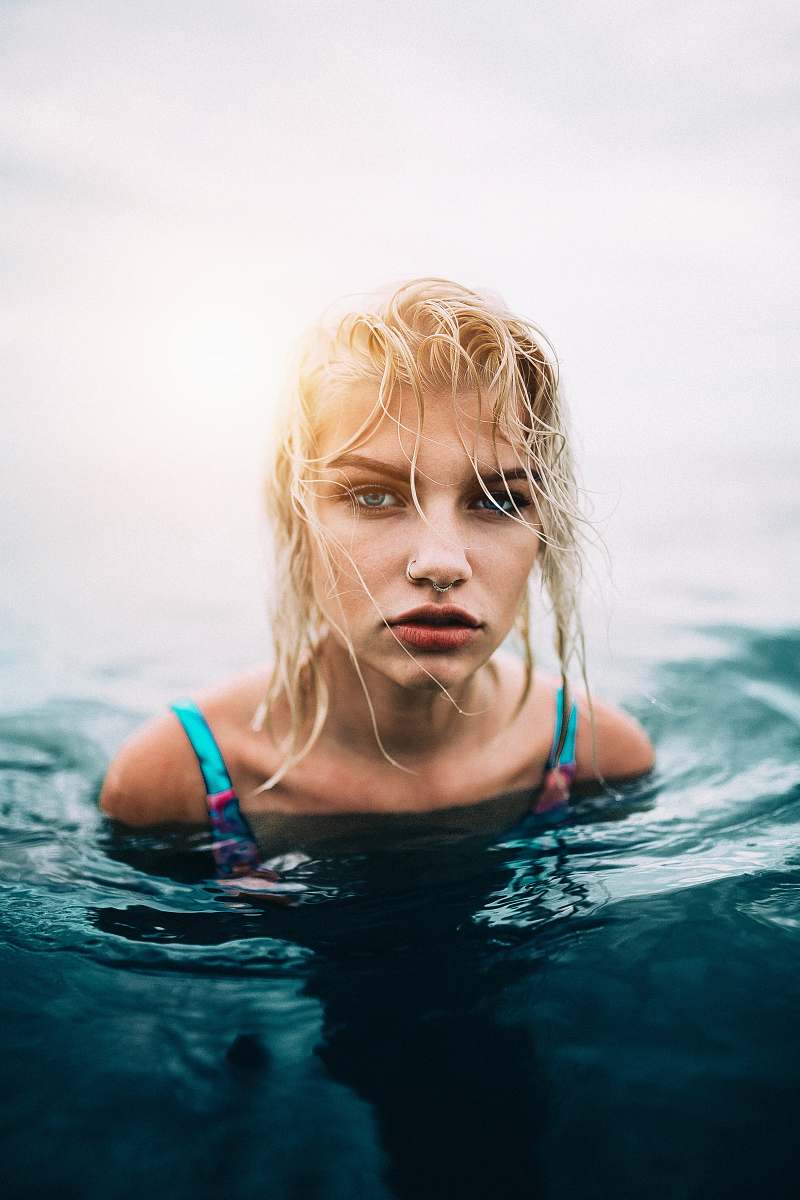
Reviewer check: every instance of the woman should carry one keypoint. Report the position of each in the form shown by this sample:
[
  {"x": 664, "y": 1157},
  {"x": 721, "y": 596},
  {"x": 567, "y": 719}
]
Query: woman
[{"x": 421, "y": 486}]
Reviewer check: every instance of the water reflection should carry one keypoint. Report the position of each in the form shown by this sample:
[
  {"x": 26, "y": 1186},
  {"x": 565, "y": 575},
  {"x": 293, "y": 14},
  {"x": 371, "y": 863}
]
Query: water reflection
[{"x": 411, "y": 985}]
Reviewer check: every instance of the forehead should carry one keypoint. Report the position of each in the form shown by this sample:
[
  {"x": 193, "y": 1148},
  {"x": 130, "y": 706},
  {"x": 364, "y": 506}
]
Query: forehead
[{"x": 453, "y": 426}]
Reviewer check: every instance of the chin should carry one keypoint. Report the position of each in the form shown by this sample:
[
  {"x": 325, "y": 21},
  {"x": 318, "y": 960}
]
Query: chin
[{"x": 411, "y": 675}]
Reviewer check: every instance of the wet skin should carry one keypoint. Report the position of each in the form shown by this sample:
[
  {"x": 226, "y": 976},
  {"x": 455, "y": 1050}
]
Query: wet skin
[{"x": 461, "y": 536}]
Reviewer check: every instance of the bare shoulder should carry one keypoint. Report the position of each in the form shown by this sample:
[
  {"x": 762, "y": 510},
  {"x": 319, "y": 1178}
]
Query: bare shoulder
[
  {"x": 610, "y": 744},
  {"x": 155, "y": 779}
]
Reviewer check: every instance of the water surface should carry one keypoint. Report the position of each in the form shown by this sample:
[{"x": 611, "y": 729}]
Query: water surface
[{"x": 607, "y": 1004}]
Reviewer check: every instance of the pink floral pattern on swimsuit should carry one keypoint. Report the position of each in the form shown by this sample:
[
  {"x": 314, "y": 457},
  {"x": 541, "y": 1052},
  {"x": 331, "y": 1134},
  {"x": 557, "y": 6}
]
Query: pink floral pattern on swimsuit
[
  {"x": 235, "y": 851},
  {"x": 555, "y": 789}
]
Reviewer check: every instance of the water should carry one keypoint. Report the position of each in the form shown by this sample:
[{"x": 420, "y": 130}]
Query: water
[{"x": 608, "y": 1004}]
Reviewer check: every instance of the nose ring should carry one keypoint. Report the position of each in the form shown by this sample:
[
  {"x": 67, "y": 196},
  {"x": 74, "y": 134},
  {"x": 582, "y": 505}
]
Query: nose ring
[{"x": 415, "y": 579}]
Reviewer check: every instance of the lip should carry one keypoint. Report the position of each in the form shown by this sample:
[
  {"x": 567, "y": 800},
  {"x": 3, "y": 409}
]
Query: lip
[
  {"x": 435, "y": 637},
  {"x": 422, "y": 627},
  {"x": 437, "y": 613}
]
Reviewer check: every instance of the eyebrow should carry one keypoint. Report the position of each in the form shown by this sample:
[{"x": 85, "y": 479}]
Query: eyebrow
[{"x": 375, "y": 464}]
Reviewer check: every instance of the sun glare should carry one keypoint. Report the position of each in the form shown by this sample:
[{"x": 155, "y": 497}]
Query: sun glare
[{"x": 212, "y": 352}]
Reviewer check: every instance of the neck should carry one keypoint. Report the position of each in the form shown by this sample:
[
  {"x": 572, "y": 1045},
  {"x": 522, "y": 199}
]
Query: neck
[{"x": 413, "y": 724}]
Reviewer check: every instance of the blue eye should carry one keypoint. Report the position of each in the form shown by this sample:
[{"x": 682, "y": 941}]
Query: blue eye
[
  {"x": 502, "y": 502},
  {"x": 495, "y": 504},
  {"x": 373, "y": 499}
]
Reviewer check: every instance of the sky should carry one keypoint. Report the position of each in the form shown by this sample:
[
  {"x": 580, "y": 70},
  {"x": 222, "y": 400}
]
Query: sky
[{"x": 185, "y": 185}]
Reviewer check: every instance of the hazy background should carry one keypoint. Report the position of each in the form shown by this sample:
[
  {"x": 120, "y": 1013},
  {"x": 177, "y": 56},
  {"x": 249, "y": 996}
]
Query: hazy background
[{"x": 186, "y": 184}]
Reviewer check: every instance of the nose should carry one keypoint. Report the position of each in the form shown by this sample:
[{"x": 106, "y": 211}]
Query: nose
[{"x": 439, "y": 557}]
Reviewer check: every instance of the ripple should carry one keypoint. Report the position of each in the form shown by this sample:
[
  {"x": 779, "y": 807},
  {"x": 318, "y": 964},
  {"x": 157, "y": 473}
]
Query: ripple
[
  {"x": 778, "y": 907},
  {"x": 719, "y": 806}
]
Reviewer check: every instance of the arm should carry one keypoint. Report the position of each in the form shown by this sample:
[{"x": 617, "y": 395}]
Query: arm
[{"x": 154, "y": 779}]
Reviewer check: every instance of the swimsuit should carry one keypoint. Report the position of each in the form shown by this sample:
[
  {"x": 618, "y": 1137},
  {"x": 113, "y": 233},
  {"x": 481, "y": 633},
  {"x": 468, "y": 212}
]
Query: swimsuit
[
  {"x": 235, "y": 848},
  {"x": 559, "y": 770}
]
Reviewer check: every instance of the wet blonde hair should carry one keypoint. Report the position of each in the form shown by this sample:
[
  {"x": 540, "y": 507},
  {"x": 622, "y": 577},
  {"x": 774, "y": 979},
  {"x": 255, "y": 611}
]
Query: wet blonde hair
[{"x": 427, "y": 335}]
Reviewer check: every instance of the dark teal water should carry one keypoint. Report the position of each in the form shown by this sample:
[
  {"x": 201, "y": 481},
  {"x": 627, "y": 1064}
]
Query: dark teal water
[{"x": 606, "y": 1007}]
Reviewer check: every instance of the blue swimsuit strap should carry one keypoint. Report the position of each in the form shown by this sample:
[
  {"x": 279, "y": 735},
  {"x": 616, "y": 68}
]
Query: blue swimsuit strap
[
  {"x": 566, "y": 758},
  {"x": 235, "y": 847},
  {"x": 565, "y": 737},
  {"x": 552, "y": 798}
]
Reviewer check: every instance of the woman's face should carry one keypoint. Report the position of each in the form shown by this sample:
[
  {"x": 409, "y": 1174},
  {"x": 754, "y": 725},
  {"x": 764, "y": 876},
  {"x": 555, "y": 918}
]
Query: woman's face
[{"x": 364, "y": 502}]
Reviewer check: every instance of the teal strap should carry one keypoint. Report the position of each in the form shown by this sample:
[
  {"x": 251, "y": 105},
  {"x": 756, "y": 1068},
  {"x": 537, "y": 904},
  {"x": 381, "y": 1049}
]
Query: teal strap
[
  {"x": 212, "y": 764},
  {"x": 567, "y": 755}
]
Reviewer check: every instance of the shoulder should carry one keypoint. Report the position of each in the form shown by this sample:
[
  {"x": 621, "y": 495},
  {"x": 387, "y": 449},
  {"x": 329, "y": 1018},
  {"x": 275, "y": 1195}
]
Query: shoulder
[
  {"x": 610, "y": 745},
  {"x": 155, "y": 778}
]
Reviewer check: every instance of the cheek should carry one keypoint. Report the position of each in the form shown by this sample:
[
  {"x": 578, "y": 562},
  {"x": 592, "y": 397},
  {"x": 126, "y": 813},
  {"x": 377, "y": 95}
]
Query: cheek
[
  {"x": 368, "y": 544},
  {"x": 513, "y": 554},
  {"x": 533, "y": 553},
  {"x": 509, "y": 569},
  {"x": 359, "y": 561}
]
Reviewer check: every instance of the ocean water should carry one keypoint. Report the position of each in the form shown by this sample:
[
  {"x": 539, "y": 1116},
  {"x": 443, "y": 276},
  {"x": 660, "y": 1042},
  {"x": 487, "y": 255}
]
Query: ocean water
[{"x": 605, "y": 1006}]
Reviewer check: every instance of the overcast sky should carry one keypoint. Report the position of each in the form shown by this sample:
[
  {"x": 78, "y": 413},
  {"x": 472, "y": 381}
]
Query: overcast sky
[{"x": 185, "y": 184}]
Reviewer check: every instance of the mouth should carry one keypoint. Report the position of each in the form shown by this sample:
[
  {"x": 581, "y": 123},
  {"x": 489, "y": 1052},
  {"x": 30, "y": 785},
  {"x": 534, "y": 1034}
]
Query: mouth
[
  {"x": 447, "y": 615},
  {"x": 436, "y": 627}
]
